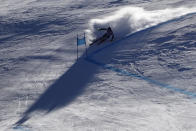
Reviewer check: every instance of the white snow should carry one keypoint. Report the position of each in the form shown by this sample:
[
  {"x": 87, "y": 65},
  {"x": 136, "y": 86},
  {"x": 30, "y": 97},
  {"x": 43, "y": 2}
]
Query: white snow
[{"x": 44, "y": 88}]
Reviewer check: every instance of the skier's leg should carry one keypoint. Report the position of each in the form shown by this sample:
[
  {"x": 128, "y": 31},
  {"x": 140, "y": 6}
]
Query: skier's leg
[
  {"x": 103, "y": 39},
  {"x": 95, "y": 41}
]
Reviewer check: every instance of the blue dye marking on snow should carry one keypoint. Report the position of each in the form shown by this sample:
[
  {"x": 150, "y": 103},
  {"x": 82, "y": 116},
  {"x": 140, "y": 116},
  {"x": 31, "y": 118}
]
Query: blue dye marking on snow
[
  {"x": 20, "y": 128},
  {"x": 126, "y": 73}
]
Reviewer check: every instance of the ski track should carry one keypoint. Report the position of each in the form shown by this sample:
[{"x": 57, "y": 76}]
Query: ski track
[{"x": 37, "y": 47}]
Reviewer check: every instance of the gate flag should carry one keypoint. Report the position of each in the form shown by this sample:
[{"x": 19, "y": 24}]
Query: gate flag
[{"x": 81, "y": 41}]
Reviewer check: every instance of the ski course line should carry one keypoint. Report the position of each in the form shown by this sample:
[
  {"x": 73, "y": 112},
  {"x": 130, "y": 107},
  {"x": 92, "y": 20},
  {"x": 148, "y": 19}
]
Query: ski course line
[
  {"x": 124, "y": 72},
  {"x": 21, "y": 128},
  {"x": 147, "y": 79}
]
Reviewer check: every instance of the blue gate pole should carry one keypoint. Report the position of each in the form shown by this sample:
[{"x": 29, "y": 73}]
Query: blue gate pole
[{"x": 77, "y": 47}]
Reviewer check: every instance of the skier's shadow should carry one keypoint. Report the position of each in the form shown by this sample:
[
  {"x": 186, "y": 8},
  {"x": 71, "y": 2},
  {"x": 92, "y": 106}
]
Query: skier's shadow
[{"x": 70, "y": 85}]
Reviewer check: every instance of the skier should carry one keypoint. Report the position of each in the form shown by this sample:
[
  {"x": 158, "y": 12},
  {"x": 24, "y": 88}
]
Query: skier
[{"x": 106, "y": 36}]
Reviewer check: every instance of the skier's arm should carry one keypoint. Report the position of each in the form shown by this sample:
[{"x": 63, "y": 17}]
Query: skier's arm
[{"x": 102, "y": 29}]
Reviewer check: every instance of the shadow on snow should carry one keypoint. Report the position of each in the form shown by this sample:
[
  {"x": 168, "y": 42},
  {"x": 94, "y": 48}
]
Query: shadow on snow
[
  {"x": 72, "y": 83},
  {"x": 65, "y": 89}
]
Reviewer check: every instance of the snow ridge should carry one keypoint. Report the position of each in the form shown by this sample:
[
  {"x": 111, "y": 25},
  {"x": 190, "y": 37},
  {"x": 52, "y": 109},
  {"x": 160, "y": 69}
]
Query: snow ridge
[{"x": 132, "y": 19}]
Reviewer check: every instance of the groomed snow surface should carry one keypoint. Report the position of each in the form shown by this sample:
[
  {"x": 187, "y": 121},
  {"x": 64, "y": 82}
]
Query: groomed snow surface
[{"x": 142, "y": 81}]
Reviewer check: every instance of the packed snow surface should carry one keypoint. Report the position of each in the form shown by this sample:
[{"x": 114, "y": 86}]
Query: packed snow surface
[{"x": 143, "y": 80}]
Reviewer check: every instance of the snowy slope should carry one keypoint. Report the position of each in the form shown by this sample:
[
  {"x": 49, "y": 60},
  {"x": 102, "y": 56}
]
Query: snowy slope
[{"x": 44, "y": 88}]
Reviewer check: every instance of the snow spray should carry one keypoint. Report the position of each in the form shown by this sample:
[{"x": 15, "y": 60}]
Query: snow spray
[{"x": 132, "y": 19}]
